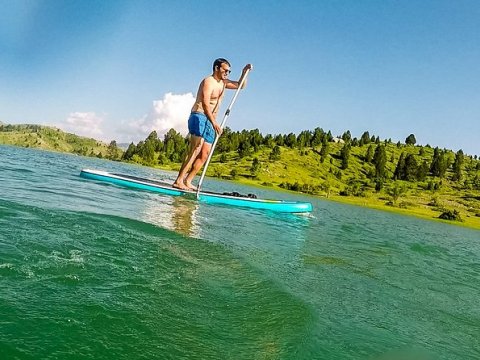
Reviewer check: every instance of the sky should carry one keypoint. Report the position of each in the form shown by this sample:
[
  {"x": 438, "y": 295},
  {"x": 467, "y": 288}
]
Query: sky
[{"x": 119, "y": 69}]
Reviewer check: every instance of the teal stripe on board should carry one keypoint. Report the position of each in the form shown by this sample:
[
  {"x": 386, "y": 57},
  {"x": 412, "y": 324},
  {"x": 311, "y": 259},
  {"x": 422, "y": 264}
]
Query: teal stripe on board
[{"x": 207, "y": 197}]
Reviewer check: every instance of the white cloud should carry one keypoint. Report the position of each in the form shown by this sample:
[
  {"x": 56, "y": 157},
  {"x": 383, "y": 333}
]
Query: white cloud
[
  {"x": 86, "y": 124},
  {"x": 170, "y": 112}
]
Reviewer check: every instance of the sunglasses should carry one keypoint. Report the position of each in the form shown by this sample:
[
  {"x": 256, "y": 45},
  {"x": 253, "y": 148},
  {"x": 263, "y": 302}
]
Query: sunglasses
[{"x": 226, "y": 71}]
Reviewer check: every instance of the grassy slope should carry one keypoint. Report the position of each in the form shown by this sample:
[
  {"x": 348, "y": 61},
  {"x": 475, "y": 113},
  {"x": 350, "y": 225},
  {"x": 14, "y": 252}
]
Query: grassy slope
[
  {"x": 47, "y": 138},
  {"x": 303, "y": 167},
  {"x": 295, "y": 166}
]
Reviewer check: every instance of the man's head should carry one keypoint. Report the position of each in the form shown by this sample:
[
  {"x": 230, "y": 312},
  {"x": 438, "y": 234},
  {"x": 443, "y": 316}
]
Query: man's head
[{"x": 222, "y": 65}]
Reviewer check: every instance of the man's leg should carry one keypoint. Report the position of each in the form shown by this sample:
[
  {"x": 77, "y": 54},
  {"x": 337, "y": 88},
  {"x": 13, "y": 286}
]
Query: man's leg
[
  {"x": 198, "y": 163},
  {"x": 196, "y": 143}
]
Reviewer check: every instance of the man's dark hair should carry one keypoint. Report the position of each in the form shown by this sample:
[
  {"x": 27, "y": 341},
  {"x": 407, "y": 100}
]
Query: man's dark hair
[{"x": 218, "y": 62}]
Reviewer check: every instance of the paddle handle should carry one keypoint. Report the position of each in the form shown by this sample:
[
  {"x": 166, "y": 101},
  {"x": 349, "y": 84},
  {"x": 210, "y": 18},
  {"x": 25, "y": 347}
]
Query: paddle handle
[{"x": 225, "y": 117}]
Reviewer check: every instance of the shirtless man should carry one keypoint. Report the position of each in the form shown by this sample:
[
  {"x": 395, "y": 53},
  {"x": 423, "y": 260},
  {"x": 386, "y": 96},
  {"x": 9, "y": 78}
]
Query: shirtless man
[{"x": 202, "y": 123}]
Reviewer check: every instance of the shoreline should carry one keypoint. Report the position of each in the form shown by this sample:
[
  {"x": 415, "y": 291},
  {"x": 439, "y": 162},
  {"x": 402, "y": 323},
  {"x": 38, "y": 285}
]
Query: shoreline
[
  {"x": 415, "y": 210},
  {"x": 426, "y": 206}
]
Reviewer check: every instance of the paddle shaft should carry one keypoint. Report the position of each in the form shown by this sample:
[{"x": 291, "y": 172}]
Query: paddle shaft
[{"x": 225, "y": 117}]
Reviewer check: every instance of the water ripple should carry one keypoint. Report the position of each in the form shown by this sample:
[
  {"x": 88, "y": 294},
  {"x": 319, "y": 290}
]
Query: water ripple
[{"x": 96, "y": 271}]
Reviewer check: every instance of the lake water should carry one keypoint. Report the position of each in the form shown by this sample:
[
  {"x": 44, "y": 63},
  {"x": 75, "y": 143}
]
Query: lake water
[{"x": 91, "y": 270}]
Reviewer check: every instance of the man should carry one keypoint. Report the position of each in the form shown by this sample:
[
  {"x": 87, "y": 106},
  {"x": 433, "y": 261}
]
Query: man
[{"x": 202, "y": 123}]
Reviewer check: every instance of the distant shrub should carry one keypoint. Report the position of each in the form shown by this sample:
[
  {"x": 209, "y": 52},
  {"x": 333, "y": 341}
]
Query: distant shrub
[
  {"x": 434, "y": 202},
  {"x": 452, "y": 215},
  {"x": 354, "y": 189},
  {"x": 405, "y": 204},
  {"x": 217, "y": 173},
  {"x": 137, "y": 159},
  {"x": 305, "y": 188}
]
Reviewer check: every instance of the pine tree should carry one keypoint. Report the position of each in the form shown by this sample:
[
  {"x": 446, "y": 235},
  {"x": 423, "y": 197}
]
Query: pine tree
[
  {"x": 256, "y": 139},
  {"x": 279, "y": 140},
  {"x": 146, "y": 151},
  {"x": 411, "y": 168},
  {"x": 291, "y": 140},
  {"x": 423, "y": 171},
  {"x": 329, "y": 136},
  {"x": 113, "y": 151},
  {"x": 439, "y": 163},
  {"x": 410, "y": 140},
  {"x": 476, "y": 182},
  {"x": 457, "y": 166},
  {"x": 324, "y": 150},
  {"x": 224, "y": 141},
  {"x": 347, "y": 136},
  {"x": 380, "y": 161},
  {"x": 244, "y": 149},
  {"x": 275, "y": 154},
  {"x": 318, "y": 135},
  {"x": 152, "y": 136},
  {"x": 304, "y": 139},
  {"x": 364, "y": 139},
  {"x": 127, "y": 155},
  {"x": 369, "y": 154},
  {"x": 399, "y": 173},
  {"x": 180, "y": 148},
  {"x": 255, "y": 168},
  {"x": 345, "y": 155},
  {"x": 268, "y": 141}
]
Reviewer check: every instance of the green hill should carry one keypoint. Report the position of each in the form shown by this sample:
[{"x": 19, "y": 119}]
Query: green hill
[
  {"x": 402, "y": 177},
  {"x": 303, "y": 171},
  {"x": 48, "y": 138},
  {"x": 406, "y": 178}
]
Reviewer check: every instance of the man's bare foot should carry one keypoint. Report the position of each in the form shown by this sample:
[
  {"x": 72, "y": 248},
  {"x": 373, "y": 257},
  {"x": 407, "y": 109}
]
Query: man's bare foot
[
  {"x": 190, "y": 186},
  {"x": 180, "y": 186}
]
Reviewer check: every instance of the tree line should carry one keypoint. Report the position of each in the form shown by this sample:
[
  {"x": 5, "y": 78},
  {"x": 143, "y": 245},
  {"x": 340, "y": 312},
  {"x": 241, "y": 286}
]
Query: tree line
[
  {"x": 173, "y": 147},
  {"x": 404, "y": 164},
  {"x": 409, "y": 166}
]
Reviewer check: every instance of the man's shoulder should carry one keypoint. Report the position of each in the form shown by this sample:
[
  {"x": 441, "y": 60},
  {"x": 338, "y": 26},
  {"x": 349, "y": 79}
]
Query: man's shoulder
[{"x": 210, "y": 81}]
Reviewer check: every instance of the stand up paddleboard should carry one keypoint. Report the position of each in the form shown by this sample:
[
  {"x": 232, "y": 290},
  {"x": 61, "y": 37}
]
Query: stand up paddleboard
[{"x": 234, "y": 199}]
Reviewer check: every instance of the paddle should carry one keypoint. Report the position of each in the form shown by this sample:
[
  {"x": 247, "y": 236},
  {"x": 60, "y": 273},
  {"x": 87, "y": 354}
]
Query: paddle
[{"x": 227, "y": 113}]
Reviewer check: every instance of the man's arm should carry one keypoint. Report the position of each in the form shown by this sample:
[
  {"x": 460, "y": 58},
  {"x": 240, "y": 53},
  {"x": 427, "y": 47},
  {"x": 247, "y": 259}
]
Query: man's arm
[{"x": 229, "y": 84}]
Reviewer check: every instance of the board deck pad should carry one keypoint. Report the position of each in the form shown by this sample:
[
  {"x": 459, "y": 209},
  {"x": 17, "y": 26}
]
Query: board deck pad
[{"x": 233, "y": 199}]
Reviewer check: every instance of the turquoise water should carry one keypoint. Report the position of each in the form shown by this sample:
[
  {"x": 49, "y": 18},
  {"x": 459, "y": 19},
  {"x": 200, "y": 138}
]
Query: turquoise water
[{"x": 90, "y": 270}]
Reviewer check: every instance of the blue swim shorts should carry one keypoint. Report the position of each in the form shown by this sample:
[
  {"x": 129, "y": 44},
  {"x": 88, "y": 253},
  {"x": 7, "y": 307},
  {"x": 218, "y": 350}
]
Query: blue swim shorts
[{"x": 199, "y": 125}]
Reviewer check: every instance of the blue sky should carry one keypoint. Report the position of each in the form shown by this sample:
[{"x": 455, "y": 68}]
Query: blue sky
[{"x": 118, "y": 69}]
